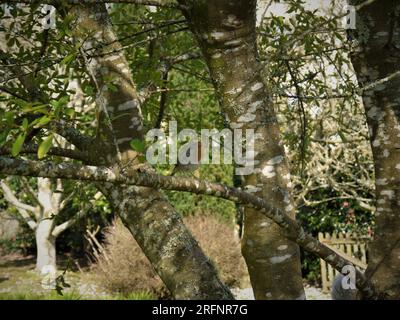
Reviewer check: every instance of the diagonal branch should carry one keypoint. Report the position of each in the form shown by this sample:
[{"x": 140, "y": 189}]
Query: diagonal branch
[
  {"x": 20, "y": 206},
  {"x": 82, "y": 213},
  {"x": 67, "y": 224},
  {"x": 290, "y": 227}
]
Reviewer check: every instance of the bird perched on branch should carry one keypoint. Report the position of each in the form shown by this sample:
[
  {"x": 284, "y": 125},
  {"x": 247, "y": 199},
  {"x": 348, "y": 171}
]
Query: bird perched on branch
[{"x": 192, "y": 159}]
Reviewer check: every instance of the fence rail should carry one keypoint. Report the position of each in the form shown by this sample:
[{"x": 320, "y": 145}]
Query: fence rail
[{"x": 349, "y": 246}]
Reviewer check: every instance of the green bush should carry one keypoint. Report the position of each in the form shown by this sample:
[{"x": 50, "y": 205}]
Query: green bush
[{"x": 340, "y": 216}]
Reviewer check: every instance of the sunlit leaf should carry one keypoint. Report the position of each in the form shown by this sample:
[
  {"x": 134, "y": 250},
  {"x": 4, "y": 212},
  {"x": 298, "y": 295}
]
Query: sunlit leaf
[
  {"x": 45, "y": 146},
  {"x": 17, "y": 145}
]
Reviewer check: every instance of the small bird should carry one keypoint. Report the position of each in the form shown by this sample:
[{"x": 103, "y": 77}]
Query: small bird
[{"x": 191, "y": 168}]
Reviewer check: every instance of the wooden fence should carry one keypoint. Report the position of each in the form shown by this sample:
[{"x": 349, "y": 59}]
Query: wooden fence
[{"x": 349, "y": 246}]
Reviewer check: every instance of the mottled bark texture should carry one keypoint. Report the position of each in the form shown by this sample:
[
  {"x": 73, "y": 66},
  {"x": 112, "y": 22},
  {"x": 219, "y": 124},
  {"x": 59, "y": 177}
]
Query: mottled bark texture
[
  {"x": 226, "y": 33},
  {"x": 377, "y": 56},
  {"x": 156, "y": 226}
]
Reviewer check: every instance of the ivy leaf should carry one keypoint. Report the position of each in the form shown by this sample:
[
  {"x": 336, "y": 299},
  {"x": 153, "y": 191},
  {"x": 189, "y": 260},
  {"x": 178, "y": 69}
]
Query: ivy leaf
[
  {"x": 45, "y": 146},
  {"x": 138, "y": 145},
  {"x": 17, "y": 145}
]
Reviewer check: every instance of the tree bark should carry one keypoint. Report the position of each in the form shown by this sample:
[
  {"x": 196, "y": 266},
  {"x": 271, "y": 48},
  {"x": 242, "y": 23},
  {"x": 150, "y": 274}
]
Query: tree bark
[
  {"x": 45, "y": 247},
  {"x": 226, "y": 33},
  {"x": 377, "y": 57},
  {"x": 156, "y": 226}
]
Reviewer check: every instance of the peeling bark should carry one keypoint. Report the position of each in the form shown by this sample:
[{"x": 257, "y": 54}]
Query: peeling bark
[
  {"x": 226, "y": 33},
  {"x": 377, "y": 57}
]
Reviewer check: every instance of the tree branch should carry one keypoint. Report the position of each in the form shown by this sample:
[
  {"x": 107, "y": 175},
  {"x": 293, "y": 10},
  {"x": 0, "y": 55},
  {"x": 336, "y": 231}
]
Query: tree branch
[
  {"x": 67, "y": 224},
  {"x": 72, "y": 135},
  {"x": 33, "y": 149},
  {"x": 155, "y": 3},
  {"x": 291, "y": 229},
  {"x": 21, "y": 207},
  {"x": 29, "y": 191},
  {"x": 163, "y": 100},
  {"x": 12, "y": 93}
]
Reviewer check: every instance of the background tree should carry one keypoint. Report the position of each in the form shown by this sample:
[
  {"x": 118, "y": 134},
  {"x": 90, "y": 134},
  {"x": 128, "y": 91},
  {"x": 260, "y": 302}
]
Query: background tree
[{"x": 43, "y": 212}]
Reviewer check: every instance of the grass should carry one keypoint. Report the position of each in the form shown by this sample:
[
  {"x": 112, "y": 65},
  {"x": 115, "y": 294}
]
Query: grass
[
  {"x": 19, "y": 281},
  {"x": 134, "y": 296},
  {"x": 70, "y": 296},
  {"x": 39, "y": 296}
]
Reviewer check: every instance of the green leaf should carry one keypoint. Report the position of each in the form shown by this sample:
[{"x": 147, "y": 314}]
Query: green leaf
[
  {"x": 3, "y": 137},
  {"x": 88, "y": 89},
  {"x": 34, "y": 108},
  {"x": 22, "y": 103},
  {"x": 68, "y": 59},
  {"x": 70, "y": 112},
  {"x": 54, "y": 103},
  {"x": 42, "y": 121},
  {"x": 138, "y": 145},
  {"x": 63, "y": 100},
  {"x": 9, "y": 118},
  {"x": 45, "y": 146},
  {"x": 17, "y": 145},
  {"x": 25, "y": 123}
]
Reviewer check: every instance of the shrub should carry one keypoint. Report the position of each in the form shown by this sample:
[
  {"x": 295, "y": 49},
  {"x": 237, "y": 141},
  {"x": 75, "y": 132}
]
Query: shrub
[
  {"x": 221, "y": 245},
  {"x": 121, "y": 267},
  {"x": 330, "y": 216}
]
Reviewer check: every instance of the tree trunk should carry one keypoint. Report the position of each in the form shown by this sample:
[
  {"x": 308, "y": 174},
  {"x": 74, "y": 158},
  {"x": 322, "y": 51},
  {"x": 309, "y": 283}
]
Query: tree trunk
[
  {"x": 46, "y": 247},
  {"x": 226, "y": 33},
  {"x": 167, "y": 243},
  {"x": 377, "y": 57},
  {"x": 157, "y": 228}
]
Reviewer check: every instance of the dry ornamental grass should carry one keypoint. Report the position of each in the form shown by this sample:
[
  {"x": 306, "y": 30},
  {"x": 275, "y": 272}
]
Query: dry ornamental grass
[{"x": 121, "y": 266}]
